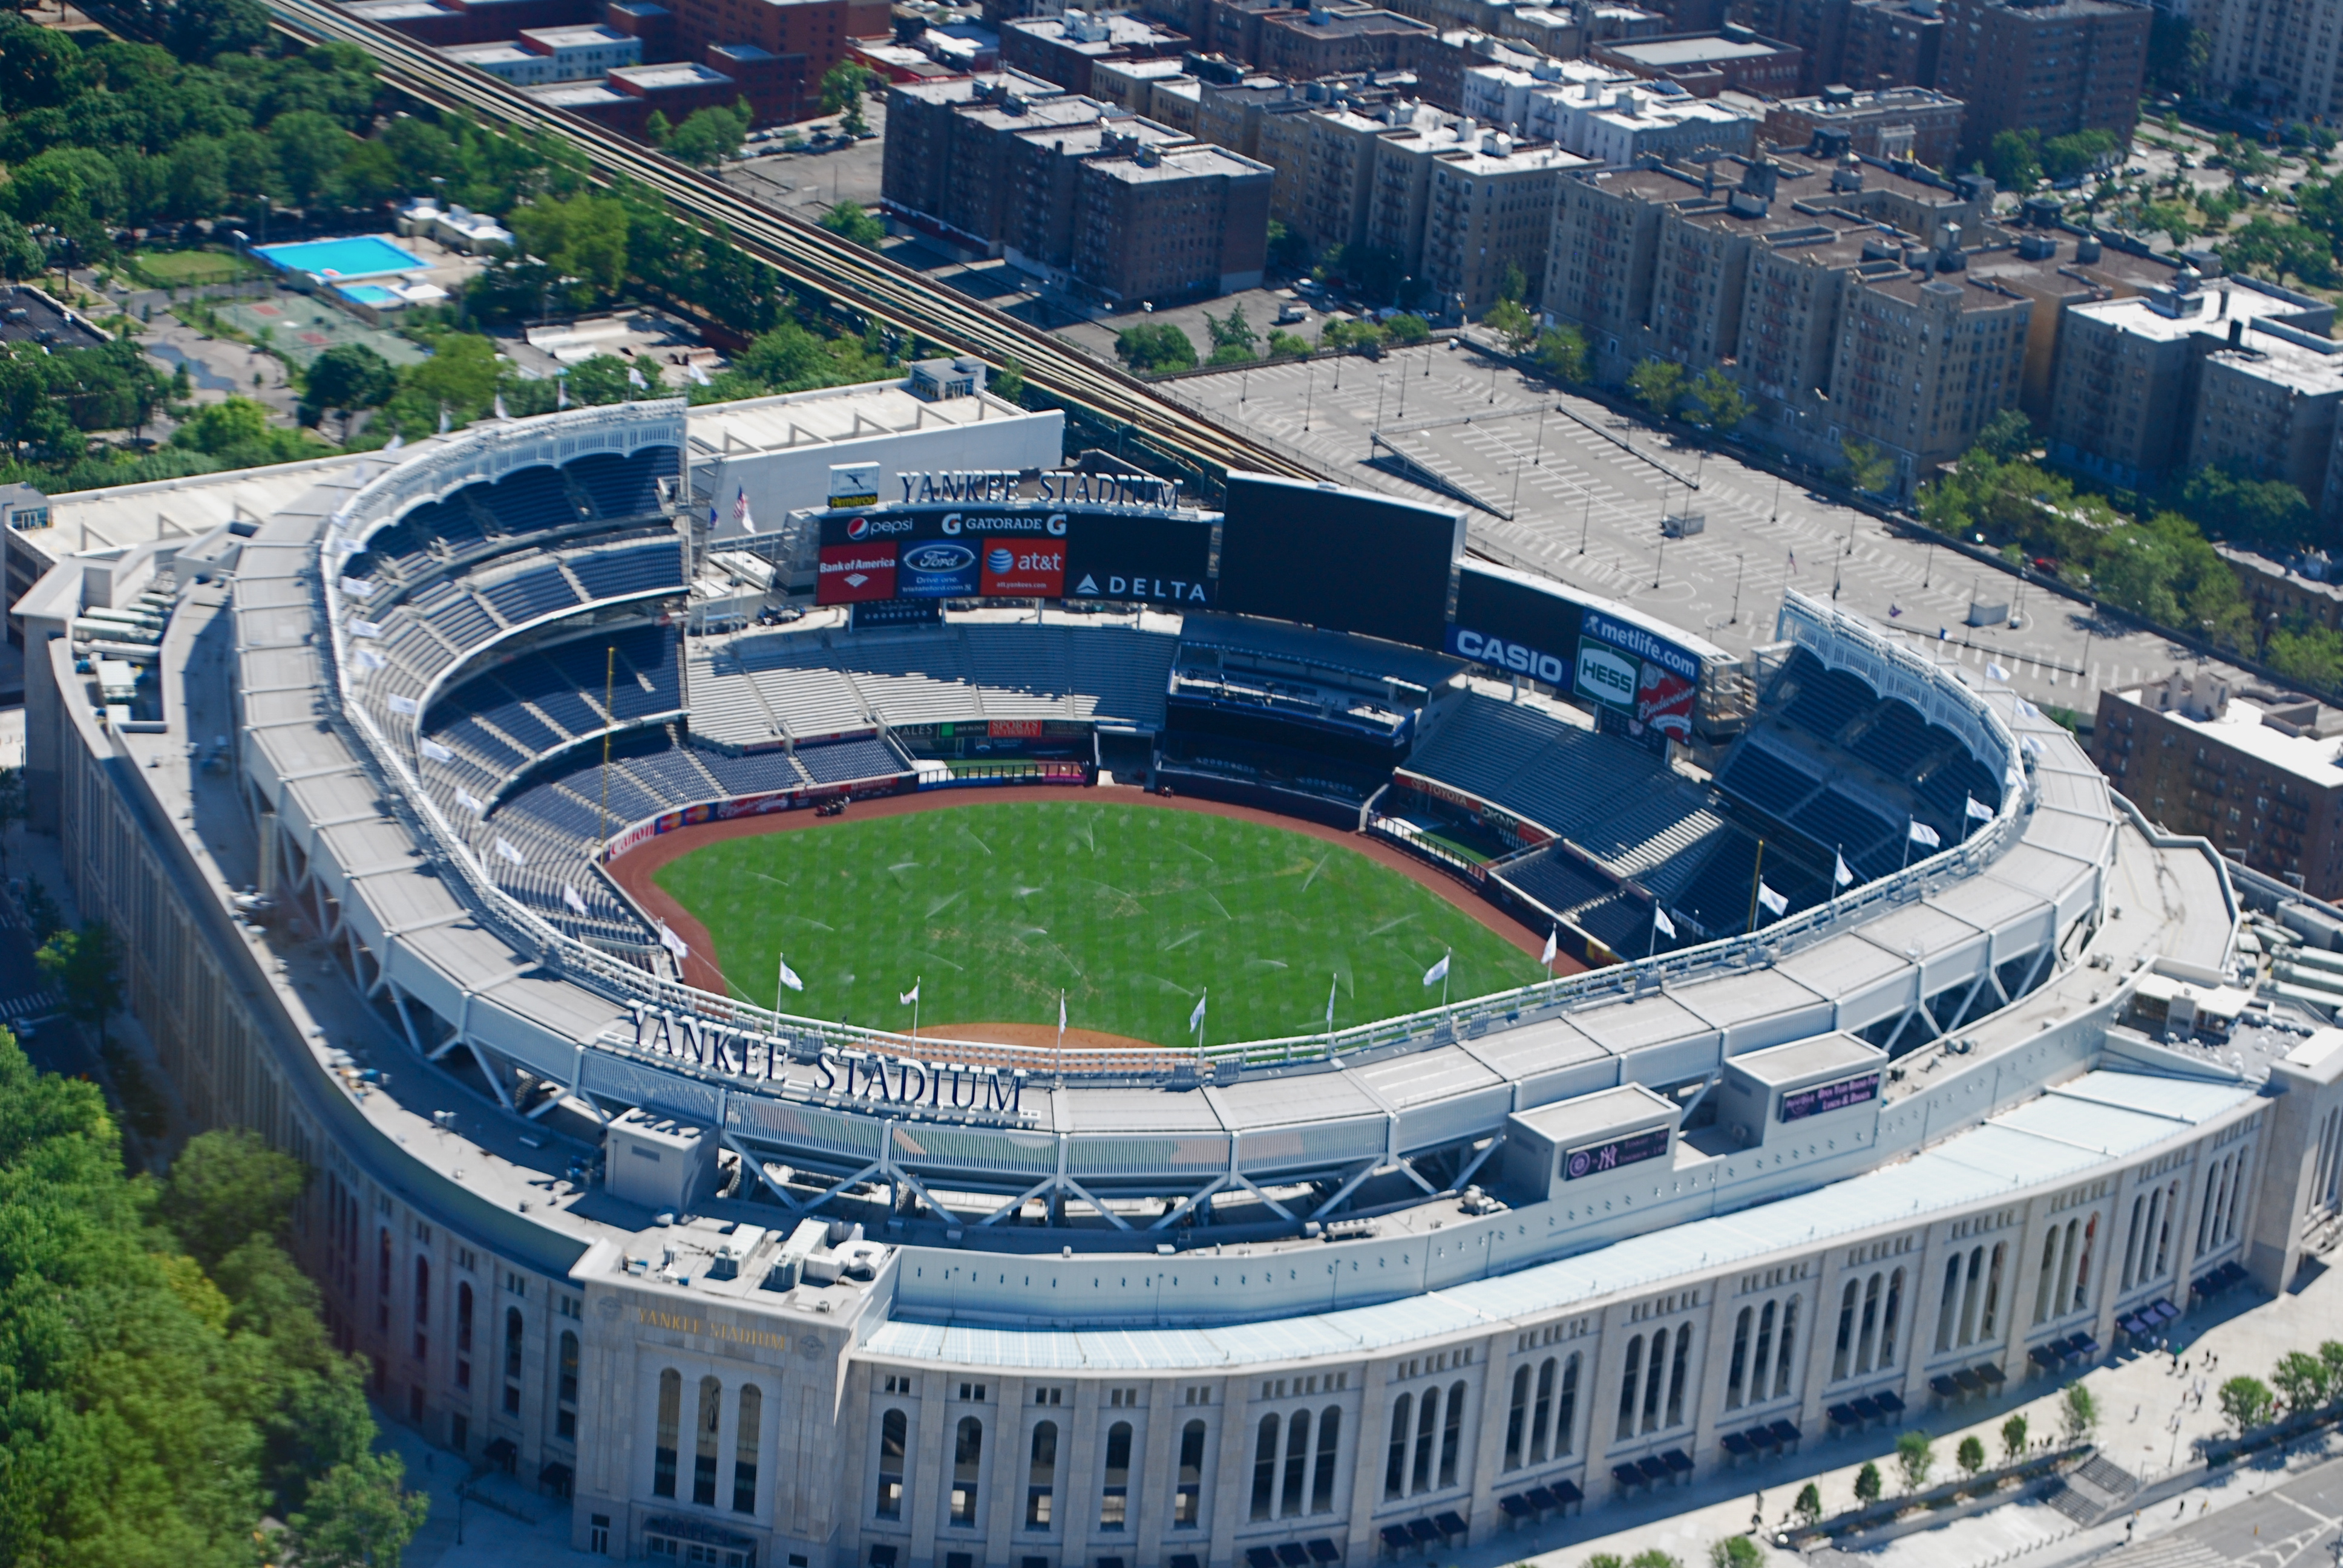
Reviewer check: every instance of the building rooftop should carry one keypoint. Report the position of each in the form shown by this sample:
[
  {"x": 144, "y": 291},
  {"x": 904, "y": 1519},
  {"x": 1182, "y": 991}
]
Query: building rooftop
[
  {"x": 573, "y": 95},
  {"x": 674, "y": 74},
  {"x": 2316, "y": 760},
  {"x": 1198, "y": 162},
  {"x": 2295, "y": 366},
  {"x": 1859, "y": 106},
  {"x": 585, "y": 36},
  {"x": 1518, "y": 160},
  {"x": 484, "y": 54},
  {"x": 972, "y": 89},
  {"x": 2169, "y": 318},
  {"x": 1692, "y": 49}
]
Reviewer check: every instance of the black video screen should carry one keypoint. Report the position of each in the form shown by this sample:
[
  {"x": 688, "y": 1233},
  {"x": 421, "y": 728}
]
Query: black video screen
[
  {"x": 1520, "y": 627},
  {"x": 1135, "y": 557},
  {"x": 1345, "y": 560}
]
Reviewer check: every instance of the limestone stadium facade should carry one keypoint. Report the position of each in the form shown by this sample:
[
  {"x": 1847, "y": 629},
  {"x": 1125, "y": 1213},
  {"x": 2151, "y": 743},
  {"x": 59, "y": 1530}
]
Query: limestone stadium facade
[{"x": 751, "y": 1288}]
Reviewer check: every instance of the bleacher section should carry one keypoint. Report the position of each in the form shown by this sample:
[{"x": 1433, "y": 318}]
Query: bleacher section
[
  {"x": 1267, "y": 766},
  {"x": 754, "y": 689},
  {"x": 1847, "y": 771}
]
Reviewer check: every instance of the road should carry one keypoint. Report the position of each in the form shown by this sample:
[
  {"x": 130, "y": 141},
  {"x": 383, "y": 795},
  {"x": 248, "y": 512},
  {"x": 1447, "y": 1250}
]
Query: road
[{"x": 1587, "y": 489}]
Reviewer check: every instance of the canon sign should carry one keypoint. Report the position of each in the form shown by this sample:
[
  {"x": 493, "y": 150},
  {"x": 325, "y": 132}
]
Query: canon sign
[{"x": 1519, "y": 658}]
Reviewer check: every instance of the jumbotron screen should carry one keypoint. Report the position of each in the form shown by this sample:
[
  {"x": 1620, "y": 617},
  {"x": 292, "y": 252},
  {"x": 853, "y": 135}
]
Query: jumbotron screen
[
  {"x": 1339, "y": 559},
  {"x": 1003, "y": 552}
]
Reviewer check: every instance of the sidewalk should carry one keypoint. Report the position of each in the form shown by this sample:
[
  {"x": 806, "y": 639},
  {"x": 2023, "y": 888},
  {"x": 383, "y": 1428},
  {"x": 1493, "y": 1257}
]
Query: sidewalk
[{"x": 506, "y": 1522}]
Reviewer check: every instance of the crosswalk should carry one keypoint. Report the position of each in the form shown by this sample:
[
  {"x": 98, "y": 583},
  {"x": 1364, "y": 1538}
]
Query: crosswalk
[{"x": 34, "y": 1006}]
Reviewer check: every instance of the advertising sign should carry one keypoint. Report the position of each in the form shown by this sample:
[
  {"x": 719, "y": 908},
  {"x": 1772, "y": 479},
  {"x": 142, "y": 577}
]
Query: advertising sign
[
  {"x": 1607, "y": 675},
  {"x": 1635, "y": 1148},
  {"x": 1013, "y": 550},
  {"x": 1799, "y": 1104},
  {"x": 850, "y": 573},
  {"x": 1344, "y": 559}
]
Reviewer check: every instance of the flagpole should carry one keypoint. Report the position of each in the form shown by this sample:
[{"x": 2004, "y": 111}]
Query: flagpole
[
  {"x": 915, "y": 1010},
  {"x": 1756, "y": 881},
  {"x": 609, "y": 675},
  {"x": 780, "y": 962},
  {"x": 1445, "y": 960},
  {"x": 1060, "y": 1063},
  {"x": 1907, "y": 844}
]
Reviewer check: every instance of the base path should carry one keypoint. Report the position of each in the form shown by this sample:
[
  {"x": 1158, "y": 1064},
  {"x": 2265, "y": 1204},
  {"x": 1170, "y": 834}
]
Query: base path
[{"x": 635, "y": 870}]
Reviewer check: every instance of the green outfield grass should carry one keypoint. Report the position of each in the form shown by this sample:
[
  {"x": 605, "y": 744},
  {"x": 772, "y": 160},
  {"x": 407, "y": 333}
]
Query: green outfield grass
[{"x": 1133, "y": 911}]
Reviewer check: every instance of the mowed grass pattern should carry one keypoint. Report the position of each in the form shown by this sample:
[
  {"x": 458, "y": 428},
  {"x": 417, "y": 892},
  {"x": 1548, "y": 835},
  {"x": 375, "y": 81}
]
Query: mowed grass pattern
[{"x": 1131, "y": 910}]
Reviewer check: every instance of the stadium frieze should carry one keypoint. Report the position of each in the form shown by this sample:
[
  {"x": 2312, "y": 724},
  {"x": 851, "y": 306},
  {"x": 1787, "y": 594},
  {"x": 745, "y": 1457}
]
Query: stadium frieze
[{"x": 872, "y": 1079}]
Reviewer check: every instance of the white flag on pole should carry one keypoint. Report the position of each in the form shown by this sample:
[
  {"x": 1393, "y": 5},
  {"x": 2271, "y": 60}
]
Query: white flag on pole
[
  {"x": 575, "y": 900},
  {"x": 1333, "y": 983},
  {"x": 360, "y": 588},
  {"x": 394, "y": 444},
  {"x": 433, "y": 750},
  {"x": 505, "y": 847},
  {"x": 367, "y": 659},
  {"x": 406, "y": 705},
  {"x": 1437, "y": 972},
  {"x": 910, "y": 996},
  {"x": 1061, "y": 1012},
  {"x": 1995, "y": 671},
  {"x": 698, "y": 377},
  {"x": 673, "y": 943},
  {"x": 635, "y": 378},
  {"x": 1660, "y": 923},
  {"x": 789, "y": 977},
  {"x": 1553, "y": 944},
  {"x": 562, "y": 392},
  {"x": 1771, "y": 901},
  {"x": 1979, "y": 810},
  {"x": 1840, "y": 875},
  {"x": 1196, "y": 1018},
  {"x": 500, "y": 407},
  {"x": 740, "y": 513},
  {"x": 364, "y": 628},
  {"x": 477, "y": 807},
  {"x": 1922, "y": 833}
]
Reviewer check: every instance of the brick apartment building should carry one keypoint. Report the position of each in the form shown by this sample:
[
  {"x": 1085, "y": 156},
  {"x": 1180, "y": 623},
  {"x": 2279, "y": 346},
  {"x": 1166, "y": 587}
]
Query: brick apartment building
[
  {"x": 1171, "y": 223},
  {"x": 2255, "y": 772},
  {"x": 1706, "y": 64},
  {"x": 1854, "y": 43},
  {"x": 1065, "y": 48},
  {"x": 1885, "y": 123},
  {"x": 2074, "y": 66}
]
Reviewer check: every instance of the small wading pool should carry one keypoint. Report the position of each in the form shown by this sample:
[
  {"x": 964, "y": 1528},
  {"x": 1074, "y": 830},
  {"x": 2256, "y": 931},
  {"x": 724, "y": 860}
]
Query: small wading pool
[
  {"x": 367, "y": 293},
  {"x": 363, "y": 255}
]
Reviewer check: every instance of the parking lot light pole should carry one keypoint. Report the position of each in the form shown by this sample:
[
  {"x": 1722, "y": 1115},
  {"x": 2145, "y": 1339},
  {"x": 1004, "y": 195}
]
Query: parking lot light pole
[
  {"x": 1740, "y": 565},
  {"x": 1586, "y": 523}
]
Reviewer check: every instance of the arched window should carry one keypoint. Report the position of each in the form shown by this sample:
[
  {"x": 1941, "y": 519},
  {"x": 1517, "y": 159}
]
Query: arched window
[
  {"x": 564, "y": 1389},
  {"x": 1040, "y": 1475},
  {"x": 746, "y": 1419},
  {"x": 1540, "y": 1412},
  {"x": 1518, "y": 1418},
  {"x": 1427, "y": 1434},
  {"x": 2237, "y": 1197},
  {"x": 2164, "y": 1236},
  {"x": 514, "y": 1333},
  {"x": 968, "y": 1461},
  {"x": 1297, "y": 1463},
  {"x": 1329, "y": 1441},
  {"x": 1969, "y": 1296},
  {"x": 1789, "y": 1343},
  {"x": 1739, "y": 1365},
  {"x": 1395, "y": 1467},
  {"x": 670, "y": 1423},
  {"x": 1677, "y": 1374},
  {"x": 2047, "y": 1283},
  {"x": 1870, "y": 1329},
  {"x": 1565, "y": 1409},
  {"x": 1891, "y": 1318},
  {"x": 382, "y": 1263},
  {"x": 464, "y": 1316},
  {"x": 1188, "y": 1498},
  {"x": 2205, "y": 1232},
  {"x": 1627, "y": 1386},
  {"x": 1264, "y": 1466},
  {"x": 1452, "y": 1434},
  {"x": 2085, "y": 1253},
  {"x": 1758, "y": 1378},
  {"x": 1948, "y": 1306},
  {"x": 422, "y": 1308},
  {"x": 1843, "y": 1353},
  {"x": 703, "y": 1456},
  {"x": 2131, "y": 1242},
  {"x": 1655, "y": 1368},
  {"x": 1114, "y": 1497},
  {"x": 893, "y": 1428}
]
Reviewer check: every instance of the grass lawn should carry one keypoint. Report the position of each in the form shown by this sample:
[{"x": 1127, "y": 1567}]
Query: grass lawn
[
  {"x": 1133, "y": 911},
  {"x": 191, "y": 268}
]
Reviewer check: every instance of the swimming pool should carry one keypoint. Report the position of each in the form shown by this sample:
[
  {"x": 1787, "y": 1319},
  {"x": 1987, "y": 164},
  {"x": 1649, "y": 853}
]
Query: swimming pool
[
  {"x": 361, "y": 255},
  {"x": 367, "y": 293}
]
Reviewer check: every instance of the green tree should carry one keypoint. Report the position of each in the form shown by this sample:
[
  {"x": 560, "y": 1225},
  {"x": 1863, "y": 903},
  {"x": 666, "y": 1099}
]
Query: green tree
[
  {"x": 842, "y": 86},
  {"x": 2245, "y": 1401},
  {"x": 1512, "y": 321},
  {"x": 2007, "y": 436},
  {"x": 347, "y": 376},
  {"x": 1718, "y": 402},
  {"x": 1408, "y": 327},
  {"x": 1658, "y": 384},
  {"x": 1285, "y": 345},
  {"x": 657, "y": 129},
  {"x": 1863, "y": 467},
  {"x": 14, "y": 806},
  {"x": 2330, "y": 1353},
  {"x": 1155, "y": 347},
  {"x": 359, "y": 1515},
  {"x": 1288, "y": 251},
  {"x": 1009, "y": 381},
  {"x": 708, "y": 137},
  {"x": 1378, "y": 274},
  {"x": 2013, "y": 1439},
  {"x": 1734, "y": 1551},
  {"x": 852, "y": 221},
  {"x": 1809, "y": 1505},
  {"x": 583, "y": 239},
  {"x": 1514, "y": 283},
  {"x": 21, "y": 256},
  {"x": 199, "y": 31},
  {"x": 1562, "y": 354},
  {"x": 2301, "y": 1379},
  {"x": 309, "y": 146},
  {"x": 2065, "y": 157},
  {"x": 227, "y": 1187},
  {"x": 1969, "y": 1455},
  {"x": 86, "y": 966},
  {"x": 1233, "y": 338},
  {"x": 2078, "y": 1412},
  {"x": 2014, "y": 158},
  {"x": 1652, "y": 1557},
  {"x": 1916, "y": 1456},
  {"x": 605, "y": 378},
  {"x": 1868, "y": 1484},
  {"x": 1605, "y": 1560}
]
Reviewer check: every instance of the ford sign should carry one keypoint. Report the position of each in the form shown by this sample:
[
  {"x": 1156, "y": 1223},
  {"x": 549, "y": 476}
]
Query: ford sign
[{"x": 936, "y": 570}]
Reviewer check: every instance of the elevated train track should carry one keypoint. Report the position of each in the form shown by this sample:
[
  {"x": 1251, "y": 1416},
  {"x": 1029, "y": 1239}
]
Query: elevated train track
[{"x": 812, "y": 260}]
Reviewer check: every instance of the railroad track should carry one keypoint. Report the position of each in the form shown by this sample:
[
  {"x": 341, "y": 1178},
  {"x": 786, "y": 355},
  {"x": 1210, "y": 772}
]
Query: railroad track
[{"x": 811, "y": 258}]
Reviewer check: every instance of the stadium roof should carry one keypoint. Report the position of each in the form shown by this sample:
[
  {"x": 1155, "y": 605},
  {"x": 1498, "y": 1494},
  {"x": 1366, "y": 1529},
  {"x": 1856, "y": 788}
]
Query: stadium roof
[
  {"x": 828, "y": 415},
  {"x": 2068, "y": 1133}
]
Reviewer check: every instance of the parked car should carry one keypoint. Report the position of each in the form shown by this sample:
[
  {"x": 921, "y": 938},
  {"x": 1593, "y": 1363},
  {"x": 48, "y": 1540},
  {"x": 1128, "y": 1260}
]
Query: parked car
[{"x": 1292, "y": 311}]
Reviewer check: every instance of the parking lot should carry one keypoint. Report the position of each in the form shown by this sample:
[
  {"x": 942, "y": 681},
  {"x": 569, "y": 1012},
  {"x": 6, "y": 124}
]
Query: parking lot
[{"x": 1586, "y": 490}]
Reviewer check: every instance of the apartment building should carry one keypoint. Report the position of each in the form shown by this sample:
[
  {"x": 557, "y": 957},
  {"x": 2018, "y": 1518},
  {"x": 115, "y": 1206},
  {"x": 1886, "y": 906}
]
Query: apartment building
[
  {"x": 1324, "y": 186},
  {"x": 1926, "y": 356},
  {"x": 951, "y": 177},
  {"x": 1044, "y": 214},
  {"x": 1167, "y": 224},
  {"x": 2256, "y": 773},
  {"x": 1501, "y": 95},
  {"x": 2058, "y": 68},
  {"x": 1633, "y": 123},
  {"x": 1067, "y": 47},
  {"x": 1884, "y": 123},
  {"x": 805, "y": 39},
  {"x": 1336, "y": 39},
  {"x": 1863, "y": 44},
  {"x": 543, "y": 55},
  {"x": 2267, "y": 399},
  {"x": 2282, "y": 53},
  {"x": 1706, "y": 64},
  {"x": 1491, "y": 210}
]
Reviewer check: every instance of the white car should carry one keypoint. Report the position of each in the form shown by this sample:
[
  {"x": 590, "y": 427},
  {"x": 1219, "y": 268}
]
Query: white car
[{"x": 1292, "y": 311}]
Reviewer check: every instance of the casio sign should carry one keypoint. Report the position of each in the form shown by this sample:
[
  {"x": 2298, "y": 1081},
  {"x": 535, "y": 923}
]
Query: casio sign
[{"x": 1520, "y": 658}]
